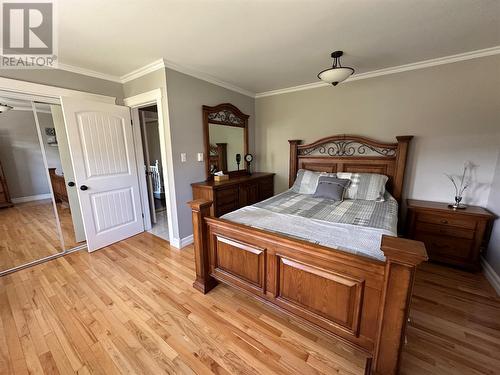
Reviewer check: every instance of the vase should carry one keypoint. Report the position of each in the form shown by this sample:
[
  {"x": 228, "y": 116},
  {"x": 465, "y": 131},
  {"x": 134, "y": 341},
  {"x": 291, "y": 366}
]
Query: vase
[{"x": 457, "y": 204}]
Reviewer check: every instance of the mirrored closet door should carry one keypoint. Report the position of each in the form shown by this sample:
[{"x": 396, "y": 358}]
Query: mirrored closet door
[{"x": 39, "y": 211}]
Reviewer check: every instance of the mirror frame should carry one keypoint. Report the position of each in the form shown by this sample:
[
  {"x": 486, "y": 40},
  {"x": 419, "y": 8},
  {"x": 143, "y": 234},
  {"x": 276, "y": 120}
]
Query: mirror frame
[{"x": 224, "y": 114}]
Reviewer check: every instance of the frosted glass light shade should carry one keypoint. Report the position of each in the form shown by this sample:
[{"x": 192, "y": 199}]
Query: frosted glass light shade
[{"x": 335, "y": 75}]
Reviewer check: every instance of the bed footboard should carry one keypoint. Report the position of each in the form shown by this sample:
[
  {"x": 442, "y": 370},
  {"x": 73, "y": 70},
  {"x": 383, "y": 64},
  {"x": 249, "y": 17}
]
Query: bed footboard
[{"x": 361, "y": 301}]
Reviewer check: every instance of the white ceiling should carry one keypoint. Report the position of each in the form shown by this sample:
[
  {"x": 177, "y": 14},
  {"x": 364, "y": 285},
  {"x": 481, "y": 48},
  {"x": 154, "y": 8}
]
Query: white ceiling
[{"x": 263, "y": 45}]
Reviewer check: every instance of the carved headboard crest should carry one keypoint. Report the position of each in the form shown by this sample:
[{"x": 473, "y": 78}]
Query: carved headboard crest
[
  {"x": 351, "y": 153},
  {"x": 226, "y": 114},
  {"x": 348, "y": 147}
]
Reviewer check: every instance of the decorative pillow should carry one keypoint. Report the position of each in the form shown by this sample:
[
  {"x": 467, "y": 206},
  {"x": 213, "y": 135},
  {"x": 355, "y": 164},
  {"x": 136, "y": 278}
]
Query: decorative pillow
[
  {"x": 331, "y": 188},
  {"x": 366, "y": 186},
  {"x": 307, "y": 181}
]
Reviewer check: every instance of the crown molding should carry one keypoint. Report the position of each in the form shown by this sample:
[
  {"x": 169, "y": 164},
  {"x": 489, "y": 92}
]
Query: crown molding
[
  {"x": 88, "y": 72},
  {"x": 162, "y": 64},
  {"x": 392, "y": 70},
  {"x": 208, "y": 78},
  {"x": 143, "y": 70},
  {"x": 151, "y": 67}
]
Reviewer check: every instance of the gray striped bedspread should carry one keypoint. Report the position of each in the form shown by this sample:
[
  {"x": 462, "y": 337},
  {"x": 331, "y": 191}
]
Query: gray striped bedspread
[{"x": 354, "y": 226}]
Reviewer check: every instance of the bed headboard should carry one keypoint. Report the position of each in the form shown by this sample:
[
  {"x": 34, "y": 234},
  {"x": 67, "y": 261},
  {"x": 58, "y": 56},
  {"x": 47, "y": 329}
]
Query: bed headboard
[{"x": 351, "y": 153}]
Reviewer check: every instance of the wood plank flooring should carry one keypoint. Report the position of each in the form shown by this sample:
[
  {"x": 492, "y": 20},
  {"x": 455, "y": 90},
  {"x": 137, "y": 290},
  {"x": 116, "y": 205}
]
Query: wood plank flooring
[
  {"x": 28, "y": 232},
  {"x": 130, "y": 308}
]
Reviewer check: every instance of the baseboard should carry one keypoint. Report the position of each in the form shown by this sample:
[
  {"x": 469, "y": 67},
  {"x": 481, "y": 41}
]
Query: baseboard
[
  {"x": 179, "y": 243},
  {"x": 30, "y": 198},
  {"x": 186, "y": 241},
  {"x": 491, "y": 275}
]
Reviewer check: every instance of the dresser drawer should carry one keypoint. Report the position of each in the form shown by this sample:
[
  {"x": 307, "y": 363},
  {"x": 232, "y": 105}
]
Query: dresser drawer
[
  {"x": 226, "y": 200},
  {"x": 266, "y": 188},
  {"x": 442, "y": 247},
  {"x": 446, "y": 220},
  {"x": 445, "y": 230}
]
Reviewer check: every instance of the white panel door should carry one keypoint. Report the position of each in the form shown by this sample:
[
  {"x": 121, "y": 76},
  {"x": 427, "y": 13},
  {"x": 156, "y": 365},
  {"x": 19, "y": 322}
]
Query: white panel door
[{"x": 102, "y": 152}]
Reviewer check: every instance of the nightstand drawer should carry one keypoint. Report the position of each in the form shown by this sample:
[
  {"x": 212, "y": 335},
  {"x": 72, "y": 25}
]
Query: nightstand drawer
[
  {"x": 446, "y": 220},
  {"x": 446, "y": 247},
  {"x": 445, "y": 230}
]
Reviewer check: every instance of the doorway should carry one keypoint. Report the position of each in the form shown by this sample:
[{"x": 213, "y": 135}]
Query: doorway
[{"x": 153, "y": 172}]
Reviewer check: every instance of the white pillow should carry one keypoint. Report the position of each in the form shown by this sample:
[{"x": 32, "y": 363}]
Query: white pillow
[
  {"x": 307, "y": 181},
  {"x": 366, "y": 186}
]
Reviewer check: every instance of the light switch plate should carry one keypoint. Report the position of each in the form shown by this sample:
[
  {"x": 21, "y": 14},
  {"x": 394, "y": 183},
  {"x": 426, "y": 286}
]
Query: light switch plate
[
  {"x": 200, "y": 156},
  {"x": 183, "y": 157}
]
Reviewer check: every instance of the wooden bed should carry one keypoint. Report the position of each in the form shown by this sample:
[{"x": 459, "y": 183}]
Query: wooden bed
[{"x": 362, "y": 301}]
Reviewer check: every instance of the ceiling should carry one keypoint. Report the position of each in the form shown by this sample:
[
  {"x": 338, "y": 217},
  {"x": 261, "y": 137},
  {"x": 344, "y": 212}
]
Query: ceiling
[{"x": 264, "y": 45}]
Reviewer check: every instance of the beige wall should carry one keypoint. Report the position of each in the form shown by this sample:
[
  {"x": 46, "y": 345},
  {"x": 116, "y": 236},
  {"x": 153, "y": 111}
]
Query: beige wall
[
  {"x": 186, "y": 95},
  {"x": 493, "y": 253},
  {"x": 452, "y": 110},
  {"x": 67, "y": 80}
]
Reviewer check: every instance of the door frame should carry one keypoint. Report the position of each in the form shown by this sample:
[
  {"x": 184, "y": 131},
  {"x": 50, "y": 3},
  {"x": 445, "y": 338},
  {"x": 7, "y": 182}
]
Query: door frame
[
  {"x": 156, "y": 97},
  {"x": 38, "y": 92}
]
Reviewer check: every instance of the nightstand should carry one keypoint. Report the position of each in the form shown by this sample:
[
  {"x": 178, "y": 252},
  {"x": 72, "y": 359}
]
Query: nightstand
[{"x": 454, "y": 237}]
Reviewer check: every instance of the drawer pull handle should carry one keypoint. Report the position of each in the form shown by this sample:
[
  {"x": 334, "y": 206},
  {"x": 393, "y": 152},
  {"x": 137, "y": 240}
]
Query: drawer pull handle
[{"x": 444, "y": 221}]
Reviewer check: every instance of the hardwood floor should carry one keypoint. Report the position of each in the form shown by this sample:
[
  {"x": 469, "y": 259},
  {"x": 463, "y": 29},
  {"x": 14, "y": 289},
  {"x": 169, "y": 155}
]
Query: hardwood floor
[
  {"x": 28, "y": 232},
  {"x": 130, "y": 308},
  {"x": 455, "y": 324}
]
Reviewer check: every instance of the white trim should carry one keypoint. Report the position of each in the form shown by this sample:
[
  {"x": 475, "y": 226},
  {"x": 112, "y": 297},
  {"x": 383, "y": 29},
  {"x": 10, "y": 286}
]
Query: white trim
[
  {"x": 491, "y": 275},
  {"x": 158, "y": 97},
  {"x": 143, "y": 70},
  {"x": 208, "y": 78},
  {"x": 88, "y": 72},
  {"x": 47, "y": 174},
  {"x": 36, "y": 91},
  {"x": 391, "y": 70},
  {"x": 29, "y": 109},
  {"x": 140, "y": 163},
  {"x": 186, "y": 241},
  {"x": 182, "y": 242},
  {"x": 162, "y": 64},
  {"x": 30, "y": 198},
  {"x": 149, "y": 97}
]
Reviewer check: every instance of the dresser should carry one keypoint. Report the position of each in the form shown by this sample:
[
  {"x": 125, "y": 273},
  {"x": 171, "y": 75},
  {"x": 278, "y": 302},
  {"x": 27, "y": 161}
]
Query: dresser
[
  {"x": 236, "y": 192},
  {"x": 4, "y": 190},
  {"x": 58, "y": 186},
  {"x": 454, "y": 237}
]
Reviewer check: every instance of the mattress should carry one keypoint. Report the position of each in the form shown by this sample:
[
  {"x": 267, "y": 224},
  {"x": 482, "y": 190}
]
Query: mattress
[{"x": 354, "y": 226}]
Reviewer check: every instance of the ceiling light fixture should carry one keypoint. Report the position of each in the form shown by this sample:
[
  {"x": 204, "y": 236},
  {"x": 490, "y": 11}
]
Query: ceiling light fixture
[
  {"x": 337, "y": 73},
  {"x": 5, "y": 108}
]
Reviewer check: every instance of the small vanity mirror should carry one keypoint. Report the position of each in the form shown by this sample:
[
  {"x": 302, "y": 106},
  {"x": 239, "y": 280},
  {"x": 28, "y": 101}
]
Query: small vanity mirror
[{"x": 225, "y": 129}]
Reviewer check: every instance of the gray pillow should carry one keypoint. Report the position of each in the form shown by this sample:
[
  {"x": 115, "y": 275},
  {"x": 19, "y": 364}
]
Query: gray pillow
[
  {"x": 331, "y": 188},
  {"x": 307, "y": 181}
]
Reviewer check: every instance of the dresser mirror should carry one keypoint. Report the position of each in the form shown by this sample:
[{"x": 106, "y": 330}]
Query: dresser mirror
[{"x": 225, "y": 130}]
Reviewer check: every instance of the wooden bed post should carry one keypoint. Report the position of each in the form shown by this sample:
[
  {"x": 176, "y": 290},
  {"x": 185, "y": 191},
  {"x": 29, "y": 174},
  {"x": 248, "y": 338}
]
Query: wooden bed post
[
  {"x": 402, "y": 258},
  {"x": 293, "y": 167},
  {"x": 401, "y": 152},
  {"x": 201, "y": 209}
]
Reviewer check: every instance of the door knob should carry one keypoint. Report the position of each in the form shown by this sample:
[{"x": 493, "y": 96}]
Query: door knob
[
  {"x": 71, "y": 183},
  {"x": 84, "y": 187}
]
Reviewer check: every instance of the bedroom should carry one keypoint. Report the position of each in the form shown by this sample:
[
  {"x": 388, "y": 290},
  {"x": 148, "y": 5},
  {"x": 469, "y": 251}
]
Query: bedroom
[{"x": 430, "y": 70}]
